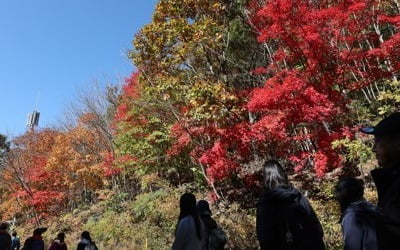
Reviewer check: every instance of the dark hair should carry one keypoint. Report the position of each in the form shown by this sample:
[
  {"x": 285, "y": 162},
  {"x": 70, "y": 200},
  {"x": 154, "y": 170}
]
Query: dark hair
[
  {"x": 188, "y": 208},
  {"x": 14, "y": 234},
  {"x": 61, "y": 236},
  {"x": 349, "y": 190},
  {"x": 203, "y": 208},
  {"x": 86, "y": 235},
  {"x": 274, "y": 175}
]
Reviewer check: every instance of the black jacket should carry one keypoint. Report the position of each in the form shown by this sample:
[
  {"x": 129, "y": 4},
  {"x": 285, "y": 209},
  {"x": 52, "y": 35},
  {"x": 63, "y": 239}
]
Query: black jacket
[
  {"x": 84, "y": 243},
  {"x": 387, "y": 183},
  {"x": 359, "y": 226},
  {"x": 5, "y": 240},
  {"x": 269, "y": 216}
]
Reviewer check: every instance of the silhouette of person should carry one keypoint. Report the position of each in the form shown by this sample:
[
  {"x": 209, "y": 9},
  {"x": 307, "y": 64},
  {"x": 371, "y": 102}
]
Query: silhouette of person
[
  {"x": 285, "y": 218},
  {"x": 215, "y": 236},
  {"x": 15, "y": 242},
  {"x": 5, "y": 237},
  {"x": 59, "y": 243},
  {"x": 190, "y": 231},
  {"x": 86, "y": 242},
  {"x": 35, "y": 242},
  {"x": 387, "y": 178},
  {"x": 358, "y": 218}
]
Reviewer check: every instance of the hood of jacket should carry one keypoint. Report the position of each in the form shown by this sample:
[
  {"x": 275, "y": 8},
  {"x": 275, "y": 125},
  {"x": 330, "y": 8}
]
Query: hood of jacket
[
  {"x": 361, "y": 206},
  {"x": 282, "y": 194}
]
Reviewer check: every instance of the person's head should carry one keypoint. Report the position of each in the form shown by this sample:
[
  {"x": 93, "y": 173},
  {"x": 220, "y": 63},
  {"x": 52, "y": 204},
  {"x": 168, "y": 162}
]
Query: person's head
[
  {"x": 349, "y": 190},
  {"x": 187, "y": 205},
  {"x": 86, "y": 235},
  {"x": 203, "y": 208},
  {"x": 14, "y": 234},
  {"x": 4, "y": 225},
  {"x": 39, "y": 231},
  {"x": 61, "y": 237},
  {"x": 387, "y": 140},
  {"x": 387, "y": 150},
  {"x": 274, "y": 175}
]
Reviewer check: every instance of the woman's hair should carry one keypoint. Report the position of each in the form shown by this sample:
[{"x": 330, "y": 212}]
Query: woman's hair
[
  {"x": 349, "y": 190},
  {"x": 274, "y": 175},
  {"x": 86, "y": 235},
  {"x": 188, "y": 208}
]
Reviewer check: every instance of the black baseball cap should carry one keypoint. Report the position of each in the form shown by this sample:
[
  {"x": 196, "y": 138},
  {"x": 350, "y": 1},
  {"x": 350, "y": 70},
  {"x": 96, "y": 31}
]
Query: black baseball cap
[{"x": 388, "y": 126}]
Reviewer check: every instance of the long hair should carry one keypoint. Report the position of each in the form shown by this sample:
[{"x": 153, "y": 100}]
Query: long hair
[
  {"x": 349, "y": 190},
  {"x": 188, "y": 208},
  {"x": 274, "y": 175}
]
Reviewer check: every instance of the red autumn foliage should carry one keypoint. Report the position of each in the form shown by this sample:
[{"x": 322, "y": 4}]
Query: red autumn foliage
[
  {"x": 130, "y": 92},
  {"x": 318, "y": 51}
]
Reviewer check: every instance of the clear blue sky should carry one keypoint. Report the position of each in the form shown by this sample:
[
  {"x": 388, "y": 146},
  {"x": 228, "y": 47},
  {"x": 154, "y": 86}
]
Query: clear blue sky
[{"x": 56, "y": 47}]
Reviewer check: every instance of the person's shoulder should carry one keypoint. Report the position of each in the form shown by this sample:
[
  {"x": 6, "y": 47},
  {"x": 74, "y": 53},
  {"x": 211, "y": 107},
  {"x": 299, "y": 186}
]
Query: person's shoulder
[
  {"x": 214, "y": 223},
  {"x": 187, "y": 219},
  {"x": 81, "y": 246},
  {"x": 186, "y": 222},
  {"x": 93, "y": 244},
  {"x": 356, "y": 213},
  {"x": 29, "y": 239}
]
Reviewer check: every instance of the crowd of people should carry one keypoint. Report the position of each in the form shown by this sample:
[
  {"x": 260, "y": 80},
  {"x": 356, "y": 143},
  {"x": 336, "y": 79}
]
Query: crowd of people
[
  {"x": 285, "y": 220},
  {"x": 36, "y": 242}
]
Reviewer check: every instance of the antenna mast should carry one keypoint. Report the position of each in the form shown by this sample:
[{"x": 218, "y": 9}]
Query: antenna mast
[{"x": 33, "y": 118}]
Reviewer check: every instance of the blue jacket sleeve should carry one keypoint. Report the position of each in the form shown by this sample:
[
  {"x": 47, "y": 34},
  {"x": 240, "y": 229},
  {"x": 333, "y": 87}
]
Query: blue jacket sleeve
[
  {"x": 181, "y": 235},
  {"x": 352, "y": 232}
]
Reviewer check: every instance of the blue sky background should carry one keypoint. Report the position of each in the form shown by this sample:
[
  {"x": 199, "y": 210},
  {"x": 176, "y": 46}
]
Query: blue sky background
[{"x": 57, "y": 47}]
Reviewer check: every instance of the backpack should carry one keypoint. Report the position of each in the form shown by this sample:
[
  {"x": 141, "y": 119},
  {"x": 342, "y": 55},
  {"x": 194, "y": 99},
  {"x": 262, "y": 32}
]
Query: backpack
[
  {"x": 298, "y": 229},
  {"x": 217, "y": 239}
]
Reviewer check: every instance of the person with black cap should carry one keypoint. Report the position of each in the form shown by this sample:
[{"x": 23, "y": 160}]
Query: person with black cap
[
  {"x": 35, "y": 242},
  {"x": 5, "y": 237},
  {"x": 215, "y": 236},
  {"x": 387, "y": 178}
]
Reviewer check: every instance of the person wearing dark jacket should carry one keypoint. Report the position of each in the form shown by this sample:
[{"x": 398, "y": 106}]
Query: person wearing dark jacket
[
  {"x": 359, "y": 217},
  {"x": 15, "y": 242},
  {"x": 215, "y": 236},
  {"x": 274, "y": 223},
  {"x": 5, "y": 237},
  {"x": 86, "y": 242},
  {"x": 59, "y": 243},
  {"x": 190, "y": 231},
  {"x": 35, "y": 242},
  {"x": 387, "y": 179}
]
